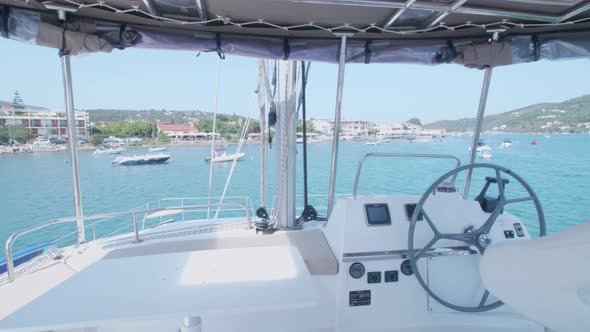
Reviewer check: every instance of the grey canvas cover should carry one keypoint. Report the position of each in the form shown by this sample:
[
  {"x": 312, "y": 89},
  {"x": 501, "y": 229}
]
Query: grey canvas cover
[{"x": 384, "y": 31}]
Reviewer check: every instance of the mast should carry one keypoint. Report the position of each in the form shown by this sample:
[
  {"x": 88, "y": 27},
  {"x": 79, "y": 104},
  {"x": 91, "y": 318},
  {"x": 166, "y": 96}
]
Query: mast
[
  {"x": 263, "y": 96},
  {"x": 286, "y": 132},
  {"x": 337, "y": 116}
]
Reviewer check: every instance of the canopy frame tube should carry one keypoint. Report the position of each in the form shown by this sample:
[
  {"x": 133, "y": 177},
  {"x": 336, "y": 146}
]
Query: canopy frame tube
[
  {"x": 479, "y": 120},
  {"x": 337, "y": 117},
  {"x": 72, "y": 136}
]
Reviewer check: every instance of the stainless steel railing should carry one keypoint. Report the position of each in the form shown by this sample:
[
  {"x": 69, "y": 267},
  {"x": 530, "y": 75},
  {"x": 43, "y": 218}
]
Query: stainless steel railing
[
  {"x": 245, "y": 200},
  {"x": 398, "y": 155},
  {"x": 14, "y": 236}
]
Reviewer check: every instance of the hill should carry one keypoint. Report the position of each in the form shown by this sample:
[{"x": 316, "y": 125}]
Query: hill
[
  {"x": 571, "y": 116},
  {"x": 111, "y": 115}
]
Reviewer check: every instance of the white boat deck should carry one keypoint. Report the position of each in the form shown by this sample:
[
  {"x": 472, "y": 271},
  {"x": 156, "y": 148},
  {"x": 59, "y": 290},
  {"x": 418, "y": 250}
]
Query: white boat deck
[{"x": 172, "y": 285}]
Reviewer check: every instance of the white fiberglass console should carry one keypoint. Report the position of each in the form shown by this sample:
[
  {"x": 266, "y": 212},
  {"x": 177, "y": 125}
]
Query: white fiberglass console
[{"x": 377, "y": 287}]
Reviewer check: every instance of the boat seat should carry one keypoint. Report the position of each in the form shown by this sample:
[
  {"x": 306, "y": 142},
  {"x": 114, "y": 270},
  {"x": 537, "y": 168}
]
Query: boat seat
[
  {"x": 312, "y": 245},
  {"x": 552, "y": 270}
]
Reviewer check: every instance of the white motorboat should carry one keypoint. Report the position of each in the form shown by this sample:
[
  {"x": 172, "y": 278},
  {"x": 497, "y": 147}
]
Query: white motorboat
[
  {"x": 506, "y": 143},
  {"x": 147, "y": 159},
  {"x": 157, "y": 149},
  {"x": 108, "y": 151},
  {"x": 486, "y": 155},
  {"x": 220, "y": 156},
  {"x": 481, "y": 146},
  {"x": 374, "y": 263},
  {"x": 373, "y": 143}
]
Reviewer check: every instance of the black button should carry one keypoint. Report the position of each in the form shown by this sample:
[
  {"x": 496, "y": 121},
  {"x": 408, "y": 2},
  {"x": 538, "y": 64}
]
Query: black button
[
  {"x": 391, "y": 276},
  {"x": 519, "y": 230},
  {"x": 374, "y": 277}
]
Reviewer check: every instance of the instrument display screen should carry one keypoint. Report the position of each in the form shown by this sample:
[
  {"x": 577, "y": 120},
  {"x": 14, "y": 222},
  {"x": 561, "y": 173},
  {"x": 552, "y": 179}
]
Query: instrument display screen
[{"x": 377, "y": 214}]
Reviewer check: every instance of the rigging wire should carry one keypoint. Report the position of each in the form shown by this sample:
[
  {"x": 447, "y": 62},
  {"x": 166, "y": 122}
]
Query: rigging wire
[
  {"x": 309, "y": 213},
  {"x": 233, "y": 165},
  {"x": 213, "y": 135}
]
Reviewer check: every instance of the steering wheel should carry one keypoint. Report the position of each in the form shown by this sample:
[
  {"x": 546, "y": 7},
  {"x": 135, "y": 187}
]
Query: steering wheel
[{"x": 477, "y": 238}]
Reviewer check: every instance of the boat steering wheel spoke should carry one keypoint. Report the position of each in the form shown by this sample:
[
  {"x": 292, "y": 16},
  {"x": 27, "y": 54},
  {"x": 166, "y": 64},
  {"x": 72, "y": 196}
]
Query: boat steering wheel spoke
[{"x": 478, "y": 238}]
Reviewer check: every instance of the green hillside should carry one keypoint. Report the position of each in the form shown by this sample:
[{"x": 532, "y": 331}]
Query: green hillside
[
  {"x": 571, "y": 116},
  {"x": 109, "y": 115}
]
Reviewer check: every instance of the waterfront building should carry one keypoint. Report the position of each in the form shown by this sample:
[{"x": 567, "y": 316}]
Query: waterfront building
[
  {"x": 325, "y": 127},
  {"x": 394, "y": 130},
  {"x": 183, "y": 132},
  {"x": 44, "y": 122},
  {"x": 355, "y": 129}
]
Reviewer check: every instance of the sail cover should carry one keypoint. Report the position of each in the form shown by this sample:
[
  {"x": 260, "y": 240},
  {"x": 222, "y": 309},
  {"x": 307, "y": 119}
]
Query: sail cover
[{"x": 380, "y": 31}]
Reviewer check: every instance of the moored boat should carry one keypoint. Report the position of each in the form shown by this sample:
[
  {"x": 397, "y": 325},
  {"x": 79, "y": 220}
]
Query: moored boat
[
  {"x": 157, "y": 149},
  {"x": 108, "y": 151},
  {"x": 506, "y": 143},
  {"x": 147, "y": 159},
  {"x": 220, "y": 156},
  {"x": 481, "y": 146}
]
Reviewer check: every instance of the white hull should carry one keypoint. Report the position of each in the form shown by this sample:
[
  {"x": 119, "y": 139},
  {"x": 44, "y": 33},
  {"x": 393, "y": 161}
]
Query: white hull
[
  {"x": 158, "y": 149},
  {"x": 482, "y": 148},
  {"x": 157, "y": 158},
  {"x": 226, "y": 157},
  {"x": 108, "y": 151}
]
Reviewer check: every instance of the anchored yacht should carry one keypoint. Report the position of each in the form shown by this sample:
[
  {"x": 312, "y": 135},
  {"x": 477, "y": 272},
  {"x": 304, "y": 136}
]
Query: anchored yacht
[{"x": 440, "y": 261}]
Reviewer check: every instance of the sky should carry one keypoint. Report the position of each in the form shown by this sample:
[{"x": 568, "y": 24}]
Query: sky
[{"x": 179, "y": 80}]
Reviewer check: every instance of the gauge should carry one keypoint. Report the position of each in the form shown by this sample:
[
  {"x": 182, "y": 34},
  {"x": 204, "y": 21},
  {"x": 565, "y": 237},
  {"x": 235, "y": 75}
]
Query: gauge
[
  {"x": 357, "y": 270},
  {"x": 406, "y": 268}
]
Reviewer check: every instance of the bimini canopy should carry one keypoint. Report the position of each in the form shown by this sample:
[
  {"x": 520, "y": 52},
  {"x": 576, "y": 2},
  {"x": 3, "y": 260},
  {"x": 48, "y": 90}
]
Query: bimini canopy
[{"x": 379, "y": 31}]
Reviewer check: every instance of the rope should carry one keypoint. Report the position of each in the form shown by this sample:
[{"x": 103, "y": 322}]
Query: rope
[
  {"x": 283, "y": 165},
  {"x": 213, "y": 135}
]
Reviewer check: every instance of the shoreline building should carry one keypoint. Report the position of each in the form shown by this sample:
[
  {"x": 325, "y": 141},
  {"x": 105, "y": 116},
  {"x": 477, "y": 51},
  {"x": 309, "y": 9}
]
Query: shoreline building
[
  {"x": 395, "y": 130},
  {"x": 349, "y": 129},
  {"x": 44, "y": 122},
  {"x": 183, "y": 132},
  {"x": 325, "y": 127}
]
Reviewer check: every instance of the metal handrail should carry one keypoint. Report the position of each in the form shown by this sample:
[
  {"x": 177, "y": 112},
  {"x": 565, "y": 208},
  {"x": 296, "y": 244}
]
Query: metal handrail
[
  {"x": 398, "y": 155},
  {"x": 93, "y": 226},
  {"x": 14, "y": 236},
  {"x": 245, "y": 199}
]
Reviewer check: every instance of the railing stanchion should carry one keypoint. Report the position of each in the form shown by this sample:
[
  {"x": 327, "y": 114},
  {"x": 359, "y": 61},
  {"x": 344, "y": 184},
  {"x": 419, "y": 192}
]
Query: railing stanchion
[{"x": 135, "y": 228}]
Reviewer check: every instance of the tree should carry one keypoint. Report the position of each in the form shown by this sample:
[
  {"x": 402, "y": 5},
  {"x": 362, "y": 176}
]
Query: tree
[
  {"x": 308, "y": 126},
  {"x": 415, "y": 121},
  {"x": 17, "y": 102},
  {"x": 96, "y": 139},
  {"x": 20, "y": 134},
  {"x": 162, "y": 138},
  {"x": 4, "y": 135},
  {"x": 125, "y": 129},
  {"x": 205, "y": 125}
]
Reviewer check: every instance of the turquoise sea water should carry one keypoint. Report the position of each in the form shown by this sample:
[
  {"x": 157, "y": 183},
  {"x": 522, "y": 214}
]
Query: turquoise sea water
[{"x": 35, "y": 188}]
